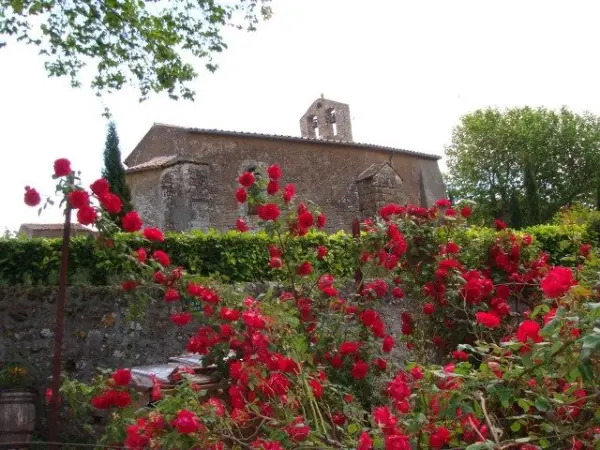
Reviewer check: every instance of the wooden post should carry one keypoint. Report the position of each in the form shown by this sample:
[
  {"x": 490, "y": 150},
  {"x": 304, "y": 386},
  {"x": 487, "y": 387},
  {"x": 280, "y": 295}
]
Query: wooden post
[{"x": 59, "y": 330}]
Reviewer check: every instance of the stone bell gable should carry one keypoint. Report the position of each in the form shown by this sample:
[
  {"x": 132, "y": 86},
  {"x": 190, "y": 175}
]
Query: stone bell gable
[{"x": 185, "y": 178}]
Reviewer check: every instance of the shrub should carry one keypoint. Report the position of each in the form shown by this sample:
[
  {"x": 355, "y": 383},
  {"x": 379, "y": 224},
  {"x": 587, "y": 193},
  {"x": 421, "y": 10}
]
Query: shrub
[
  {"x": 236, "y": 256},
  {"x": 233, "y": 256},
  {"x": 305, "y": 368}
]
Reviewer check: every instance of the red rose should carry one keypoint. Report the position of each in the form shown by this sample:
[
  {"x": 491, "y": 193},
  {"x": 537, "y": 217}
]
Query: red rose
[
  {"x": 529, "y": 329},
  {"x": 359, "y": 370},
  {"x": 275, "y": 262},
  {"x": 348, "y": 347},
  {"x": 241, "y": 195},
  {"x": 78, "y": 198},
  {"x": 86, "y": 215},
  {"x": 443, "y": 203},
  {"x": 317, "y": 388},
  {"x": 321, "y": 220},
  {"x": 274, "y": 172},
  {"x": 305, "y": 219},
  {"x": 62, "y": 167},
  {"x": 398, "y": 292},
  {"x": 142, "y": 255},
  {"x": 172, "y": 295},
  {"x": 322, "y": 252},
  {"x": 557, "y": 282},
  {"x": 246, "y": 179},
  {"x": 268, "y": 211},
  {"x": 111, "y": 203},
  {"x": 288, "y": 192},
  {"x": 272, "y": 187},
  {"x": 585, "y": 249},
  {"x": 527, "y": 240},
  {"x": 460, "y": 355},
  {"x": 186, "y": 422},
  {"x": 181, "y": 318},
  {"x": 154, "y": 234},
  {"x": 338, "y": 418},
  {"x": 499, "y": 224},
  {"x": 121, "y": 377},
  {"x": 161, "y": 257},
  {"x": 452, "y": 247},
  {"x": 488, "y": 320},
  {"x": 100, "y": 187},
  {"x": 131, "y": 222},
  {"x": 388, "y": 344},
  {"x": 304, "y": 269},
  {"x": 103, "y": 401},
  {"x": 229, "y": 314},
  {"x": 32, "y": 197},
  {"x": 298, "y": 430},
  {"x": 365, "y": 442},
  {"x": 129, "y": 285},
  {"x": 121, "y": 399},
  {"x": 380, "y": 363},
  {"x": 439, "y": 438},
  {"x": 466, "y": 211},
  {"x": 241, "y": 225},
  {"x": 428, "y": 309}
]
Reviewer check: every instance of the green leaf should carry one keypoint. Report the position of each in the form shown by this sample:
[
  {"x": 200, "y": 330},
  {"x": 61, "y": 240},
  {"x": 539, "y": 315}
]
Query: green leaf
[
  {"x": 353, "y": 428},
  {"x": 487, "y": 445},
  {"x": 544, "y": 443},
  {"x": 586, "y": 371},
  {"x": 542, "y": 404},
  {"x": 515, "y": 426}
]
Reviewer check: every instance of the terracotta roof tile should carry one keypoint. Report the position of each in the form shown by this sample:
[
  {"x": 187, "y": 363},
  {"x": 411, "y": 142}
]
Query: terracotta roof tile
[
  {"x": 160, "y": 162},
  {"x": 54, "y": 226},
  {"x": 281, "y": 137}
]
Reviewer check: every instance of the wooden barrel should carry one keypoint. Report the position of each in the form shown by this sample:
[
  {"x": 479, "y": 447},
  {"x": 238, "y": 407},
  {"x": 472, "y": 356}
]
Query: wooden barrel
[{"x": 17, "y": 419}]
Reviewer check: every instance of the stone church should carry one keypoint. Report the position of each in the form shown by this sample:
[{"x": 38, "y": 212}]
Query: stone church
[{"x": 185, "y": 178}]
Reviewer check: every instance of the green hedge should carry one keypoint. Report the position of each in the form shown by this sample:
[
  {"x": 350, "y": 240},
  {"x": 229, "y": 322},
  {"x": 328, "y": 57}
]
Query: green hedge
[{"x": 234, "y": 256}]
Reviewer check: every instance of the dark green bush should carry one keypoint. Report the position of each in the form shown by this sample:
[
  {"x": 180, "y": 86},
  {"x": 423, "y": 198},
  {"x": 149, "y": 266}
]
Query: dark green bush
[{"x": 233, "y": 256}]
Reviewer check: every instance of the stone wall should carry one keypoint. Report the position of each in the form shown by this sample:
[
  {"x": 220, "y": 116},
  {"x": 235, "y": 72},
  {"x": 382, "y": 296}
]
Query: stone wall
[{"x": 97, "y": 332}]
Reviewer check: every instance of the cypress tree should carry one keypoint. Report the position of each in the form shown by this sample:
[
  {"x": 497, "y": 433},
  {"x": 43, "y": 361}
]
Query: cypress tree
[
  {"x": 516, "y": 215},
  {"x": 113, "y": 170}
]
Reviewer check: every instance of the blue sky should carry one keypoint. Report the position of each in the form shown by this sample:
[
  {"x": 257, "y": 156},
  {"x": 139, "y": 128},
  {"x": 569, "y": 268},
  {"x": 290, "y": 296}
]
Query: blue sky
[{"x": 408, "y": 69}]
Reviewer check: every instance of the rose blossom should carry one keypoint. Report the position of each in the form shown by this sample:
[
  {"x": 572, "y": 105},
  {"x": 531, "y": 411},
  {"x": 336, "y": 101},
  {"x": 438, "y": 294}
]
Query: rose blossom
[
  {"x": 131, "y": 222},
  {"x": 32, "y": 197},
  {"x": 62, "y": 167}
]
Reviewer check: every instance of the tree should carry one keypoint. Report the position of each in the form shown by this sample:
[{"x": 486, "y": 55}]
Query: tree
[
  {"x": 537, "y": 159},
  {"x": 113, "y": 170},
  {"x": 144, "y": 43}
]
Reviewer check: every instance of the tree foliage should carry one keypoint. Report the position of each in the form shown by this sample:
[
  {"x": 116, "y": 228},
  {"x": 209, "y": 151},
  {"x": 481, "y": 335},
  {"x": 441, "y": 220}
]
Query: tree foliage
[
  {"x": 137, "y": 42},
  {"x": 538, "y": 159},
  {"x": 113, "y": 170}
]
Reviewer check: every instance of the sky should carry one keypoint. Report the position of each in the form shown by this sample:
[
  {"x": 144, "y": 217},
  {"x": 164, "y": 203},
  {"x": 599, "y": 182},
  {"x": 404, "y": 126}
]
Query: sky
[{"x": 409, "y": 70}]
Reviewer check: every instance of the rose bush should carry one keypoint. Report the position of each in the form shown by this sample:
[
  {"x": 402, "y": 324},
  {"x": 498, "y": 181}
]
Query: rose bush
[{"x": 517, "y": 340}]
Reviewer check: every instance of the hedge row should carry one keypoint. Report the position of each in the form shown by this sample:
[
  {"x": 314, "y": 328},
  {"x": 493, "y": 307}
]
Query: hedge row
[{"x": 234, "y": 256}]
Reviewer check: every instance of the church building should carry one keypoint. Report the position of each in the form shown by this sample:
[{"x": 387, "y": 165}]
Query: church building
[{"x": 185, "y": 178}]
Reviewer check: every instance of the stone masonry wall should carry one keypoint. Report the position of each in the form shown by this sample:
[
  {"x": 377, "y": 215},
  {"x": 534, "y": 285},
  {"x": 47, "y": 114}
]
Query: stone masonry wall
[{"x": 97, "y": 331}]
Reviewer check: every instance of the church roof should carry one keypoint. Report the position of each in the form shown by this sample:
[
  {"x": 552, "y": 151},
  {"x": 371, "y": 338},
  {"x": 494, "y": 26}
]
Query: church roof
[
  {"x": 274, "y": 137},
  {"x": 372, "y": 170},
  {"x": 333, "y": 142},
  {"x": 53, "y": 227},
  {"x": 161, "y": 162}
]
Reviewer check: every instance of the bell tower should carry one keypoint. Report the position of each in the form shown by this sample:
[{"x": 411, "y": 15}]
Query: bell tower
[{"x": 327, "y": 119}]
